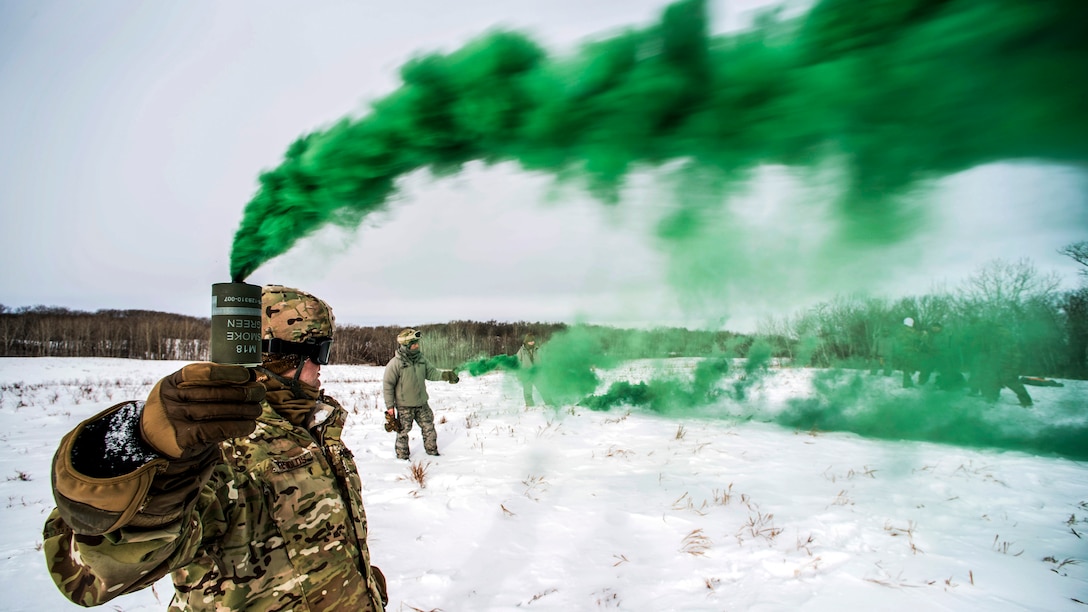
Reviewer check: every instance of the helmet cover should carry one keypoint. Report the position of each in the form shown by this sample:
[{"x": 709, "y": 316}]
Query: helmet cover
[
  {"x": 407, "y": 336},
  {"x": 293, "y": 315}
]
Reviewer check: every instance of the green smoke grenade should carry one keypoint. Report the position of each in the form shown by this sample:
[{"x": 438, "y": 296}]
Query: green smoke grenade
[{"x": 236, "y": 324}]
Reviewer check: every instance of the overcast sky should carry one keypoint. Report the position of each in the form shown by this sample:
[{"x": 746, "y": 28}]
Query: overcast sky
[{"x": 134, "y": 132}]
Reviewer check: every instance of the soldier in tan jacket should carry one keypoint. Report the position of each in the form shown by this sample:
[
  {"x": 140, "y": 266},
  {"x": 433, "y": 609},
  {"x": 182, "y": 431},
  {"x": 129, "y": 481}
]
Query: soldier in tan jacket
[
  {"x": 233, "y": 480},
  {"x": 405, "y": 389},
  {"x": 528, "y": 360}
]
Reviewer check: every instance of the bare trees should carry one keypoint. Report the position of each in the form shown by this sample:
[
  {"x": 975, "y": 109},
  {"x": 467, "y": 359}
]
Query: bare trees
[
  {"x": 1026, "y": 302},
  {"x": 446, "y": 345},
  {"x": 138, "y": 334},
  {"x": 48, "y": 331},
  {"x": 1078, "y": 252},
  {"x": 1050, "y": 329},
  {"x": 1075, "y": 305},
  {"x": 1001, "y": 284}
]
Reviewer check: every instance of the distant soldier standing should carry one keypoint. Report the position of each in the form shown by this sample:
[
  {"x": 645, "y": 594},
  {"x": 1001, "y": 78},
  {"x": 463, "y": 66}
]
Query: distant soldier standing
[
  {"x": 405, "y": 391},
  {"x": 528, "y": 359},
  {"x": 930, "y": 352},
  {"x": 907, "y": 351},
  {"x": 883, "y": 347}
]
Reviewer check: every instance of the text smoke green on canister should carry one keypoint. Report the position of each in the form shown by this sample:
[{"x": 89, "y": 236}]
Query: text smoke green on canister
[{"x": 236, "y": 324}]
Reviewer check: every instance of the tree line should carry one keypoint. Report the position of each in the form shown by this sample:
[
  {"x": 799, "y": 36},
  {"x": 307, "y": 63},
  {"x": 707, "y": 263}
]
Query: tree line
[
  {"x": 46, "y": 331},
  {"x": 1051, "y": 332},
  {"x": 41, "y": 331},
  {"x": 1048, "y": 327}
]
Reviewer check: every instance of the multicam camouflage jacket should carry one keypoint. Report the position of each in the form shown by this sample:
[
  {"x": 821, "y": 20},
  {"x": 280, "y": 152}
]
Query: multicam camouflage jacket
[{"x": 278, "y": 525}]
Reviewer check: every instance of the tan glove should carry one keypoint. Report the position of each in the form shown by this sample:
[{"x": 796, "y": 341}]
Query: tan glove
[{"x": 198, "y": 406}]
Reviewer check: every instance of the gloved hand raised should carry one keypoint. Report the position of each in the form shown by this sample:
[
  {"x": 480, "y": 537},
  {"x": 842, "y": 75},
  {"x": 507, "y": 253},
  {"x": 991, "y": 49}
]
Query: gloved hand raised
[
  {"x": 198, "y": 406},
  {"x": 450, "y": 376}
]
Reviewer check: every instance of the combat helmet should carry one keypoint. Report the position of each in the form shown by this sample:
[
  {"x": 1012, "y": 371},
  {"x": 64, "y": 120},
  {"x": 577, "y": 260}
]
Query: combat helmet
[
  {"x": 294, "y": 322},
  {"x": 407, "y": 336}
]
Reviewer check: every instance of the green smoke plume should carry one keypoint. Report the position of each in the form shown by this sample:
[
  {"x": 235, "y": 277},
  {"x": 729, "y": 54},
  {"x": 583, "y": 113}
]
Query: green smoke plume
[
  {"x": 484, "y": 365},
  {"x": 710, "y": 382},
  {"x": 569, "y": 363},
  {"x": 849, "y": 402},
  {"x": 663, "y": 395},
  {"x": 888, "y": 94},
  {"x": 936, "y": 409},
  {"x": 936, "y": 416}
]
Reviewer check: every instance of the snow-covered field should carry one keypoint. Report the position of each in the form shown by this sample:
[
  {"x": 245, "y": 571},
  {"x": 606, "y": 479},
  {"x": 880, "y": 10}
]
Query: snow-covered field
[{"x": 571, "y": 509}]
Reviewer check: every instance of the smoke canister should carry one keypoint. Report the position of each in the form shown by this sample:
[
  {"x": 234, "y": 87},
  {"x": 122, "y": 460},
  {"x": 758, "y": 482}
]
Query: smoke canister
[{"x": 236, "y": 324}]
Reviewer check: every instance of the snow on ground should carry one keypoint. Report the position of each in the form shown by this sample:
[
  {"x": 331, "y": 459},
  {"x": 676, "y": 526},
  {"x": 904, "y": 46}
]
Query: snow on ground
[{"x": 570, "y": 509}]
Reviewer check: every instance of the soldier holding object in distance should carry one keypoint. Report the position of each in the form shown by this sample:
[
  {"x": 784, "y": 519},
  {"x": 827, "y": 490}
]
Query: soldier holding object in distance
[{"x": 405, "y": 390}]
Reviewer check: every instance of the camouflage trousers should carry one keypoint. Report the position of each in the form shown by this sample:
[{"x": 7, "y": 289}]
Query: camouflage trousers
[{"x": 425, "y": 417}]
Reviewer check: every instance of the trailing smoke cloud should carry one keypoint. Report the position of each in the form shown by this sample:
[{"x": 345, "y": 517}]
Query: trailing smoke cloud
[
  {"x": 890, "y": 93},
  {"x": 718, "y": 387},
  {"x": 484, "y": 365},
  {"x": 845, "y": 401}
]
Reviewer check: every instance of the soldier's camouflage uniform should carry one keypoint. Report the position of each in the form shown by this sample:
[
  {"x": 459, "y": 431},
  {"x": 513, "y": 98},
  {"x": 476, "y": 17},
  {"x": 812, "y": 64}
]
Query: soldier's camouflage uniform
[{"x": 278, "y": 525}]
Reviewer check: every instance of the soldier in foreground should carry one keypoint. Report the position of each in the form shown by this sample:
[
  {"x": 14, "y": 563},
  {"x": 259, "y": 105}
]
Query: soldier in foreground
[
  {"x": 233, "y": 480},
  {"x": 405, "y": 389}
]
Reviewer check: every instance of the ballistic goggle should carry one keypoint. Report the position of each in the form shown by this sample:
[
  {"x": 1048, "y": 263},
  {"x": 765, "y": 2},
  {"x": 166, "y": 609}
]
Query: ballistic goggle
[{"x": 316, "y": 350}]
